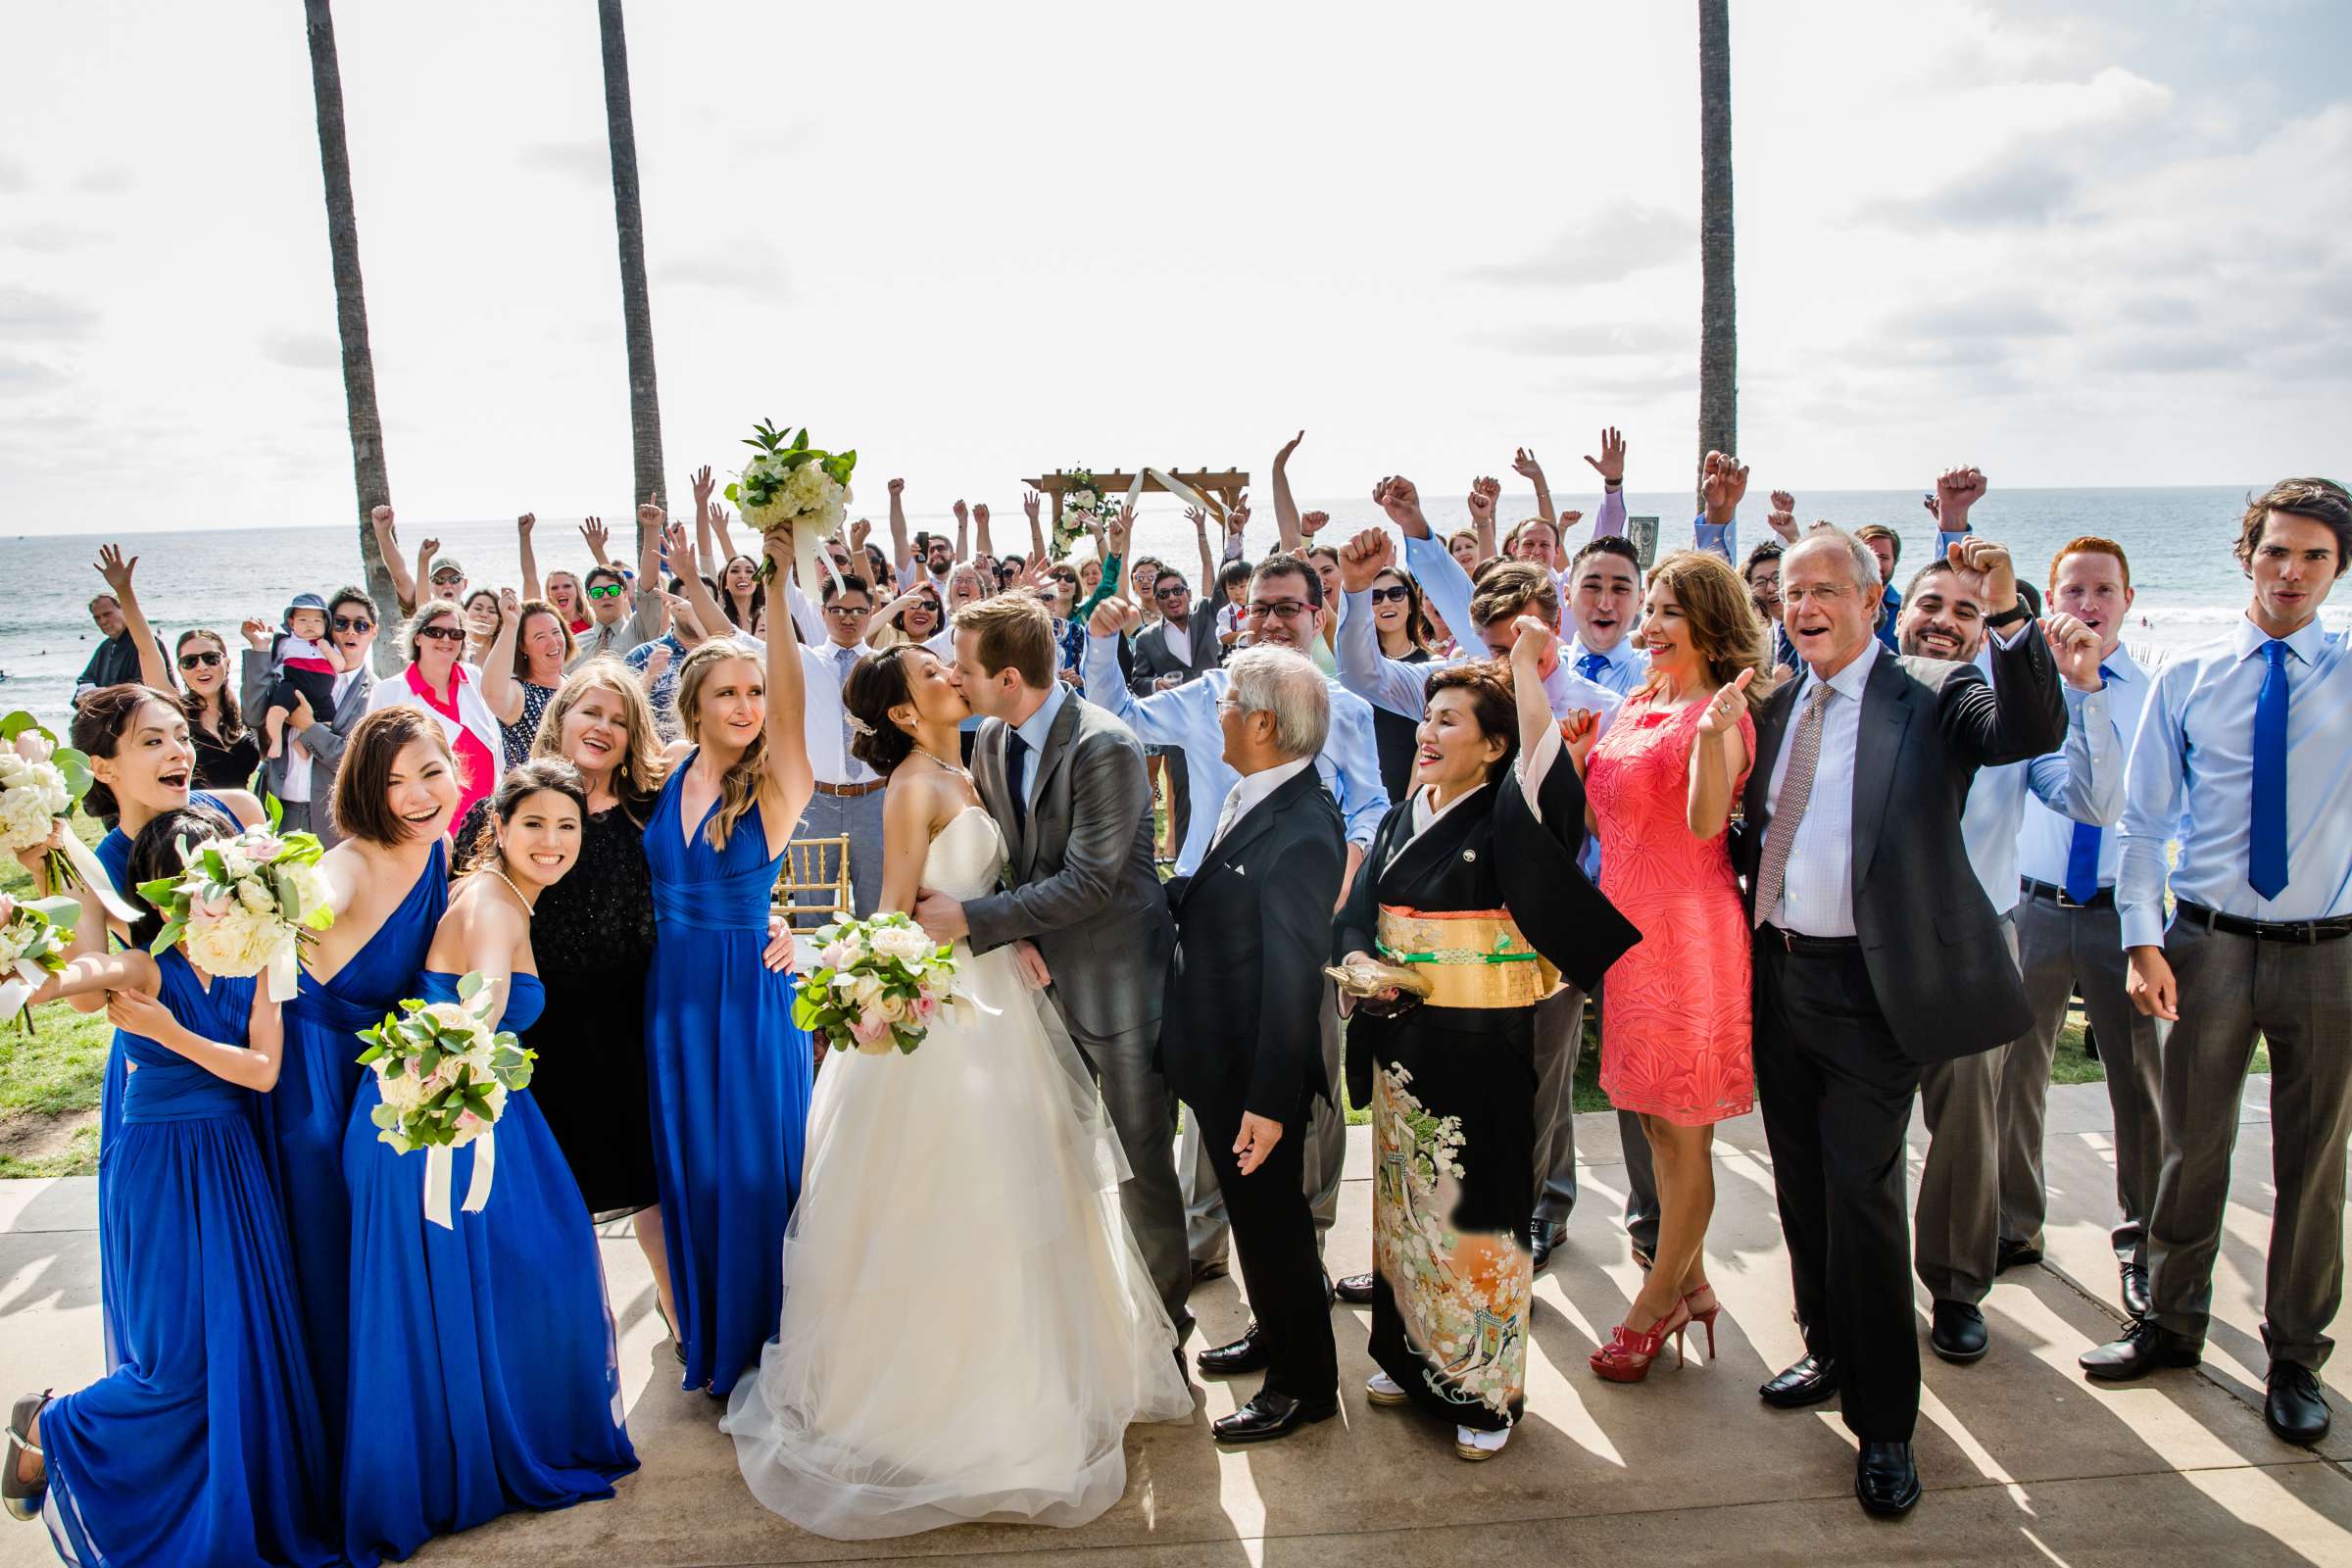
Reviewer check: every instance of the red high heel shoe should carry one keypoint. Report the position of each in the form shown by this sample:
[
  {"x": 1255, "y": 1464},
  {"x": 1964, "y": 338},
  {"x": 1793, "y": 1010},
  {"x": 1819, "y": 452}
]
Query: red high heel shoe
[
  {"x": 1626, "y": 1358},
  {"x": 1707, "y": 1314}
]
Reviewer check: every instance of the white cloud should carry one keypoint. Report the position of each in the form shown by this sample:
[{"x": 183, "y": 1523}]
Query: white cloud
[
  {"x": 33, "y": 315},
  {"x": 302, "y": 351}
]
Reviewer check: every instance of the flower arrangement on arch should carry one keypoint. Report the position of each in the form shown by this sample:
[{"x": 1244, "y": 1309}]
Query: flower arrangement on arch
[
  {"x": 792, "y": 487},
  {"x": 1085, "y": 506},
  {"x": 879, "y": 984}
]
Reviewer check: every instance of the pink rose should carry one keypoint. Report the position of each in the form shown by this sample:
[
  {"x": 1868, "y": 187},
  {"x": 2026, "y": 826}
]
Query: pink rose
[
  {"x": 8, "y": 908},
  {"x": 263, "y": 851},
  {"x": 213, "y": 906},
  {"x": 926, "y": 1009},
  {"x": 869, "y": 1028},
  {"x": 832, "y": 955}
]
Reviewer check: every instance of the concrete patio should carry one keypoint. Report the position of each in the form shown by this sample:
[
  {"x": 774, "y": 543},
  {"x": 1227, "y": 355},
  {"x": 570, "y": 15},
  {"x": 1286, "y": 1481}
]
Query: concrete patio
[{"x": 2024, "y": 1462}]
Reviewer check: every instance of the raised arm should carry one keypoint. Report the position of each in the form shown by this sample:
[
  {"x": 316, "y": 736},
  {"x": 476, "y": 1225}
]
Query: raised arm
[
  {"x": 964, "y": 532},
  {"x": 980, "y": 529},
  {"x": 703, "y": 538},
  {"x": 1610, "y": 465},
  {"x": 652, "y": 605},
  {"x": 788, "y": 769},
  {"x": 387, "y": 545},
  {"x": 1208, "y": 560},
  {"x": 530, "y": 561},
  {"x": 1524, "y": 464},
  {"x": 154, "y": 668},
  {"x": 425, "y": 550},
  {"x": 1722, "y": 482},
  {"x": 901, "y": 557},
  {"x": 1288, "y": 534},
  {"x": 1113, "y": 562},
  {"x": 2022, "y": 712},
  {"x": 1384, "y": 683},
  {"x": 596, "y": 536},
  {"x": 502, "y": 693},
  {"x": 1956, "y": 491},
  {"x": 696, "y": 592},
  {"x": 1031, "y": 502},
  {"x": 2084, "y": 780}
]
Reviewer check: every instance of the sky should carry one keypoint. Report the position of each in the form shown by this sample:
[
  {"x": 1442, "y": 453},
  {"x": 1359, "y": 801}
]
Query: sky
[{"x": 2076, "y": 244}]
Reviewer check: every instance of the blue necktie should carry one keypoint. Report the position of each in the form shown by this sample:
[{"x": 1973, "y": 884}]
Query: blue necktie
[
  {"x": 2266, "y": 865},
  {"x": 1591, "y": 664},
  {"x": 2083, "y": 855}
]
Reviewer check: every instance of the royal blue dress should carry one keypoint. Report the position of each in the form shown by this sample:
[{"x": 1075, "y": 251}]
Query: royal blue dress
[
  {"x": 302, "y": 1122},
  {"x": 483, "y": 1378},
  {"x": 113, "y": 853},
  {"x": 205, "y": 1446},
  {"x": 728, "y": 1077}
]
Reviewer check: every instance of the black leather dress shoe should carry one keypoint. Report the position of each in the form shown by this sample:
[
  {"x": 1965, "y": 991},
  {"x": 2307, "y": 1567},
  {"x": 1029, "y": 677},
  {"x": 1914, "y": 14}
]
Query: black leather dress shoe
[
  {"x": 1541, "y": 1236},
  {"x": 1958, "y": 1334},
  {"x": 1245, "y": 1355},
  {"x": 2144, "y": 1348},
  {"x": 1809, "y": 1380},
  {"x": 2296, "y": 1409},
  {"x": 1354, "y": 1289},
  {"x": 1886, "y": 1481},
  {"x": 2014, "y": 1254},
  {"x": 2136, "y": 1299},
  {"x": 1270, "y": 1415}
]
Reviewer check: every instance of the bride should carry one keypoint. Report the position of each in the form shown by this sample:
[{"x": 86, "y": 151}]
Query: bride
[{"x": 967, "y": 1326}]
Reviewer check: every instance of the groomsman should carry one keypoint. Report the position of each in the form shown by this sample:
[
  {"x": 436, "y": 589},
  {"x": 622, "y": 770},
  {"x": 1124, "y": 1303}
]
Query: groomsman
[
  {"x": 1958, "y": 1213},
  {"x": 2069, "y": 939},
  {"x": 2245, "y": 757},
  {"x": 1851, "y": 818},
  {"x": 848, "y": 802},
  {"x": 1239, "y": 1038}
]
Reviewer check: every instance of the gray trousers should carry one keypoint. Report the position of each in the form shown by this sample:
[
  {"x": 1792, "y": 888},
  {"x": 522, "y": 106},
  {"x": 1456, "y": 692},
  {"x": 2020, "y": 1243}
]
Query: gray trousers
[
  {"x": 1143, "y": 1114},
  {"x": 308, "y": 817},
  {"x": 2061, "y": 947},
  {"x": 1560, "y": 1040},
  {"x": 1957, "y": 1219},
  {"x": 2298, "y": 999},
  {"x": 858, "y": 818},
  {"x": 1208, "y": 1234}
]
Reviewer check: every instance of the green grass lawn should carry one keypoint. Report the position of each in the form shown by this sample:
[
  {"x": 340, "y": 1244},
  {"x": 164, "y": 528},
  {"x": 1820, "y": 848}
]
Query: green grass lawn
[{"x": 49, "y": 1080}]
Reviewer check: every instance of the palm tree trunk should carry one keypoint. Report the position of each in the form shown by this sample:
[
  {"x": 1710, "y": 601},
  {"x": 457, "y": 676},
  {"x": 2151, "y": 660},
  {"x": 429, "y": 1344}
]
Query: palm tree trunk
[
  {"x": 1718, "y": 317},
  {"x": 373, "y": 484},
  {"x": 637, "y": 315}
]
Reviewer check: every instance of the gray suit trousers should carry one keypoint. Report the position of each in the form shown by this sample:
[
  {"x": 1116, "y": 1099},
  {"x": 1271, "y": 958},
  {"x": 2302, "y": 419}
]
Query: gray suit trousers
[
  {"x": 858, "y": 818},
  {"x": 2298, "y": 999},
  {"x": 1959, "y": 1215},
  {"x": 1560, "y": 1040},
  {"x": 2061, "y": 947},
  {"x": 1207, "y": 1233}
]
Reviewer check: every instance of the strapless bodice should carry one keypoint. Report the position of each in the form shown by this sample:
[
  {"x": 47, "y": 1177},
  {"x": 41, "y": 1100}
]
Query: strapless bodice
[{"x": 968, "y": 857}]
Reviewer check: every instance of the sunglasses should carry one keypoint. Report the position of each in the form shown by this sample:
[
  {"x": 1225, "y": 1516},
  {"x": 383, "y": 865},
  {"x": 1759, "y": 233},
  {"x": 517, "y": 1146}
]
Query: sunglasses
[
  {"x": 444, "y": 634},
  {"x": 849, "y": 611},
  {"x": 1169, "y": 593},
  {"x": 354, "y": 623},
  {"x": 194, "y": 660},
  {"x": 605, "y": 590},
  {"x": 1391, "y": 596}
]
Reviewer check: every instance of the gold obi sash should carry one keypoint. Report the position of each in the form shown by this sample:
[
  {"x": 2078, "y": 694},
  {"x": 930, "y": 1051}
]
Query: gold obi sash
[{"x": 1469, "y": 957}]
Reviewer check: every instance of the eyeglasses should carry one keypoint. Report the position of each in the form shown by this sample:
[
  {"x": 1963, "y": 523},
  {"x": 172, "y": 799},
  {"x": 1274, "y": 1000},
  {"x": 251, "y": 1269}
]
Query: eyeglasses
[
  {"x": 849, "y": 611},
  {"x": 354, "y": 623},
  {"x": 443, "y": 634},
  {"x": 1391, "y": 596},
  {"x": 605, "y": 590},
  {"x": 1284, "y": 608},
  {"x": 192, "y": 660},
  {"x": 1798, "y": 593}
]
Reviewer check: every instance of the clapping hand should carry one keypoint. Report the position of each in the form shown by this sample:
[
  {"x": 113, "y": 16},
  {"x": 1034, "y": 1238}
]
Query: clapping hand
[
  {"x": 1610, "y": 464},
  {"x": 1730, "y": 701},
  {"x": 1364, "y": 557}
]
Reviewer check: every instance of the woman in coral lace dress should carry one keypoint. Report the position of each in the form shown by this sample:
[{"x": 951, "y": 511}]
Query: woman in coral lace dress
[{"x": 1675, "y": 1026}]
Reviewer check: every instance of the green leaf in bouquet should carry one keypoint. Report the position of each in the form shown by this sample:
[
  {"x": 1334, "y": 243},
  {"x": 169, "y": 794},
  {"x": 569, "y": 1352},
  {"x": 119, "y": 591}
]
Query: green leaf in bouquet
[
  {"x": 840, "y": 465},
  {"x": 168, "y": 937},
  {"x": 428, "y": 1062},
  {"x": 64, "y": 913},
  {"x": 804, "y": 1008},
  {"x": 18, "y": 722},
  {"x": 158, "y": 891},
  {"x": 74, "y": 768},
  {"x": 408, "y": 1005},
  {"x": 276, "y": 809},
  {"x": 388, "y": 1118},
  {"x": 371, "y": 1055},
  {"x": 214, "y": 868},
  {"x": 469, "y": 987}
]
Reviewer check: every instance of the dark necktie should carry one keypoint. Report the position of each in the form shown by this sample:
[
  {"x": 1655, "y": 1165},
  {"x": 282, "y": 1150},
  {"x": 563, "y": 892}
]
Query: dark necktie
[
  {"x": 2266, "y": 865},
  {"x": 2083, "y": 855},
  {"x": 1591, "y": 664},
  {"x": 1017, "y": 753}
]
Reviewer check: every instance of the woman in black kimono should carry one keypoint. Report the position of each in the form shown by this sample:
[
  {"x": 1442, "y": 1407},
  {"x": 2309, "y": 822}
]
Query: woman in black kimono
[{"x": 1472, "y": 888}]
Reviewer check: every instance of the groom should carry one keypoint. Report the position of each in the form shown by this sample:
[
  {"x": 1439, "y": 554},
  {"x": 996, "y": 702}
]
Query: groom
[{"x": 1065, "y": 781}]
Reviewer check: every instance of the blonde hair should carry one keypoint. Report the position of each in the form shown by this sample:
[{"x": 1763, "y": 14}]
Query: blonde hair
[
  {"x": 1725, "y": 630},
  {"x": 739, "y": 789},
  {"x": 637, "y": 776}
]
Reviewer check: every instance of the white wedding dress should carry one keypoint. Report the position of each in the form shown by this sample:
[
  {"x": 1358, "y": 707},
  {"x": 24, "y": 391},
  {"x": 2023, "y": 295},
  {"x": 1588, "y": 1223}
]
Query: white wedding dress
[{"x": 967, "y": 1327}]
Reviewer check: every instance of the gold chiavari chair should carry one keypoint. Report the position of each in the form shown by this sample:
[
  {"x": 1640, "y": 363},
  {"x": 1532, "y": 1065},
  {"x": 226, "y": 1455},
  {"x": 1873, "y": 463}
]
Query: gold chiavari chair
[{"x": 813, "y": 888}]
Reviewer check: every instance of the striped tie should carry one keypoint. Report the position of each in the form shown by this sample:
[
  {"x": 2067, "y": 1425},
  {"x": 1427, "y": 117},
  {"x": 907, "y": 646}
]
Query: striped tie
[{"x": 1796, "y": 786}]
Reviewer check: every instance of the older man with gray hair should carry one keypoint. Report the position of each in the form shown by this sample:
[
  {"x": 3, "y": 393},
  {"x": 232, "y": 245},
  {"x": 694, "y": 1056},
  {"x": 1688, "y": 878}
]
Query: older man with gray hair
[{"x": 1239, "y": 1036}]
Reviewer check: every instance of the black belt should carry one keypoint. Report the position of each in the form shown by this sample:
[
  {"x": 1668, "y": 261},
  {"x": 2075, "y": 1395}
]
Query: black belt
[
  {"x": 2331, "y": 929},
  {"x": 2105, "y": 899},
  {"x": 1819, "y": 947}
]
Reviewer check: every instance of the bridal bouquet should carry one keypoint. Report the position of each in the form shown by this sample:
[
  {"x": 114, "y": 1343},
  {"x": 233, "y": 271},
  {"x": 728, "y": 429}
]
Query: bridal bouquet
[
  {"x": 880, "y": 984},
  {"x": 34, "y": 934},
  {"x": 445, "y": 1070},
  {"x": 1084, "y": 507},
  {"x": 39, "y": 782},
  {"x": 791, "y": 486},
  {"x": 246, "y": 904}
]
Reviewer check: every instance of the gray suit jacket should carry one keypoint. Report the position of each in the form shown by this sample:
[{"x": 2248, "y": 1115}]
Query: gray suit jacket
[
  {"x": 1082, "y": 886},
  {"x": 1152, "y": 659},
  {"x": 323, "y": 741}
]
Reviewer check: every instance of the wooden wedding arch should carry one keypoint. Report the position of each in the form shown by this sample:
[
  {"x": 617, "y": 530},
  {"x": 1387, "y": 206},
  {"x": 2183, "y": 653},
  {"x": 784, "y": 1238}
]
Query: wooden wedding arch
[{"x": 1222, "y": 486}]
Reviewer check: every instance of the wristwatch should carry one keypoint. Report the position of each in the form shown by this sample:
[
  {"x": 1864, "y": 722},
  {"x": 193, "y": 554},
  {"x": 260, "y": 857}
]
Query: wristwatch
[{"x": 2016, "y": 613}]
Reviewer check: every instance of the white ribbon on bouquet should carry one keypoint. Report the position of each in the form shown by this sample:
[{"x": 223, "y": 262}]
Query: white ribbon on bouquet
[
  {"x": 25, "y": 977},
  {"x": 440, "y": 1167},
  {"x": 93, "y": 875}
]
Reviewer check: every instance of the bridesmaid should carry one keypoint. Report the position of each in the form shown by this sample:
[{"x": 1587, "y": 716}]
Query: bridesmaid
[
  {"x": 1674, "y": 1037},
  {"x": 204, "y": 1444},
  {"x": 484, "y": 1379},
  {"x": 395, "y": 796},
  {"x": 729, "y": 1073}
]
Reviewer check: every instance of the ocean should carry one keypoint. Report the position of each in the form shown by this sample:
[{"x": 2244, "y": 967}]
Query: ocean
[{"x": 2189, "y": 585}]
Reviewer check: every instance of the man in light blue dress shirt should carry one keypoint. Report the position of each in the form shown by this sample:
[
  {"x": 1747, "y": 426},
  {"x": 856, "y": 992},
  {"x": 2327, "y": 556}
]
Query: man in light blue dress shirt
[
  {"x": 1957, "y": 1218},
  {"x": 2068, "y": 939},
  {"x": 2244, "y": 758}
]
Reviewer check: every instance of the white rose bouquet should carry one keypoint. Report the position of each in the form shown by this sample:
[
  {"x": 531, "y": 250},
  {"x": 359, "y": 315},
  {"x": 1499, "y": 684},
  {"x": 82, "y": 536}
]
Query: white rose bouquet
[
  {"x": 40, "y": 783},
  {"x": 792, "y": 487},
  {"x": 33, "y": 936},
  {"x": 246, "y": 904},
  {"x": 445, "y": 1070},
  {"x": 879, "y": 984}
]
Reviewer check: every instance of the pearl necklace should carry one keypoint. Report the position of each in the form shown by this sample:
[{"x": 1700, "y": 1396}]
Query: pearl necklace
[{"x": 530, "y": 911}]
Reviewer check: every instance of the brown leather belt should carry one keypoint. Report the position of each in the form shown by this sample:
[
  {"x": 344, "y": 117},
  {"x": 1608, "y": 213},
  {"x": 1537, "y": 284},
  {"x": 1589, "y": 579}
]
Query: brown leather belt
[{"x": 851, "y": 792}]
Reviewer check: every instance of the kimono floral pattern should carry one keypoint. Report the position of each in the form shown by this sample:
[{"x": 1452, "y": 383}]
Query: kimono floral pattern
[{"x": 1463, "y": 1296}]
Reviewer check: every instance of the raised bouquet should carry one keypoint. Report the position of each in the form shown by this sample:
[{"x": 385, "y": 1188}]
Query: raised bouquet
[
  {"x": 33, "y": 937},
  {"x": 879, "y": 984},
  {"x": 1084, "y": 507},
  {"x": 445, "y": 1070},
  {"x": 246, "y": 904},
  {"x": 792, "y": 487},
  {"x": 40, "y": 783}
]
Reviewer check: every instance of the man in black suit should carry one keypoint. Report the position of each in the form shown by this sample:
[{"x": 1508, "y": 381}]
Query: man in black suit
[
  {"x": 1241, "y": 1042},
  {"x": 1875, "y": 952}
]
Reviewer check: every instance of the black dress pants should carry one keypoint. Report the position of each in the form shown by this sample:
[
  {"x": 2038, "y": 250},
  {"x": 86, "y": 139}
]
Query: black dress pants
[
  {"x": 1274, "y": 1241},
  {"x": 1837, "y": 1093}
]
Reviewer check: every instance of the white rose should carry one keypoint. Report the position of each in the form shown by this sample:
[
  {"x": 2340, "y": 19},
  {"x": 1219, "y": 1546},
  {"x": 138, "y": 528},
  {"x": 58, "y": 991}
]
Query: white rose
[
  {"x": 865, "y": 992},
  {"x": 907, "y": 943},
  {"x": 805, "y": 491},
  {"x": 309, "y": 889},
  {"x": 449, "y": 1015},
  {"x": 405, "y": 1092},
  {"x": 255, "y": 897}
]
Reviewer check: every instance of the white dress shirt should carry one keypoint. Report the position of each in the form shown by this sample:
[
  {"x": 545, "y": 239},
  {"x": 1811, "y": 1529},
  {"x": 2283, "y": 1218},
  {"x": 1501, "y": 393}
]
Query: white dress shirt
[
  {"x": 2083, "y": 779},
  {"x": 2191, "y": 777},
  {"x": 1817, "y": 891},
  {"x": 822, "y": 716},
  {"x": 1179, "y": 640},
  {"x": 2045, "y": 840},
  {"x": 1250, "y": 791}
]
